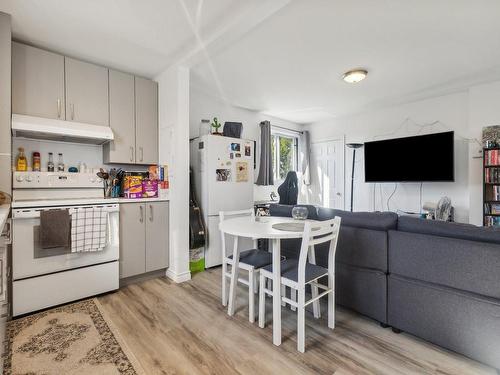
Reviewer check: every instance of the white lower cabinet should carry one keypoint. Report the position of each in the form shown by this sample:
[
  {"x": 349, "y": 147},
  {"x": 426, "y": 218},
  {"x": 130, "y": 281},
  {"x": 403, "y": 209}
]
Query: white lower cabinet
[{"x": 144, "y": 237}]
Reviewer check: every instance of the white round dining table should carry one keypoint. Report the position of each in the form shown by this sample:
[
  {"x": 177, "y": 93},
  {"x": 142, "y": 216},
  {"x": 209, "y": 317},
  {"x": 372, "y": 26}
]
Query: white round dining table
[{"x": 260, "y": 227}]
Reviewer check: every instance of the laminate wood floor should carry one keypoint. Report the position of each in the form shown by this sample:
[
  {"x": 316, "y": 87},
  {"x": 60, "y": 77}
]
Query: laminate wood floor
[{"x": 183, "y": 329}]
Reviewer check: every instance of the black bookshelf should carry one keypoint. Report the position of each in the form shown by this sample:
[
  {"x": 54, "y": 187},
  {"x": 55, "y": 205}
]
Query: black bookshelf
[{"x": 491, "y": 186}]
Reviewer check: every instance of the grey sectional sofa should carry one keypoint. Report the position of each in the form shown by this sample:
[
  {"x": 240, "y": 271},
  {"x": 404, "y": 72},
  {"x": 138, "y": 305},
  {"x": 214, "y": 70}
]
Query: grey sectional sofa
[{"x": 438, "y": 281}]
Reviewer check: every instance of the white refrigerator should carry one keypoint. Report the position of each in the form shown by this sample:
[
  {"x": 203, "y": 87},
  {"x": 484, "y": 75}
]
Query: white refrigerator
[{"x": 223, "y": 172}]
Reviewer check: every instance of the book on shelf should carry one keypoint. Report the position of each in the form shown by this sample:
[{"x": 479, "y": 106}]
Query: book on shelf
[
  {"x": 491, "y": 221},
  {"x": 492, "y": 208},
  {"x": 492, "y": 175},
  {"x": 492, "y": 157}
]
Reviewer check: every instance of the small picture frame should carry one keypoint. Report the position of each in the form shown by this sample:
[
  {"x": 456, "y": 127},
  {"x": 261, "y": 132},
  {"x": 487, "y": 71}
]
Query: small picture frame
[{"x": 223, "y": 175}]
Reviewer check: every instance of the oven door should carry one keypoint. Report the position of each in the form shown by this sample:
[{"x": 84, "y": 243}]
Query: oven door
[{"x": 29, "y": 259}]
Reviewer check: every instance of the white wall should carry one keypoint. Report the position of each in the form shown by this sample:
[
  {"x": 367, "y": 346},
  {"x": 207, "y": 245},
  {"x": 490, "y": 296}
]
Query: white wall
[
  {"x": 205, "y": 106},
  {"x": 452, "y": 113},
  {"x": 173, "y": 102},
  {"x": 484, "y": 110},
  {"x": 73, "y": 153}
]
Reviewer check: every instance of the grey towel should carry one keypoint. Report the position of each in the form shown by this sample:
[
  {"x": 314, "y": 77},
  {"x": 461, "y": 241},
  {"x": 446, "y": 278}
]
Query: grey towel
[{"x": 55, "y": 228}]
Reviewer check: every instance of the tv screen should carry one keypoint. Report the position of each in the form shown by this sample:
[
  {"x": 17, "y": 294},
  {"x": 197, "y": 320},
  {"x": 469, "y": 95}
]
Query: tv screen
[{"x": 422, "y": 158}]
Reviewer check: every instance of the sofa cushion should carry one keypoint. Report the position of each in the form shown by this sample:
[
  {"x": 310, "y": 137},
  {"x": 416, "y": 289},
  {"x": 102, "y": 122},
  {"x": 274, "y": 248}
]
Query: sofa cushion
[
  {"x": 362, "y": 248},
  {"x": 449, "y": 318},
  {"x": 447, "y": 229},
  {"x": 362, "y": 290},
  {"x": 467, "y": 265},
  {"x": 285, "y": 210},
  {"x": 367, "y": 220}
]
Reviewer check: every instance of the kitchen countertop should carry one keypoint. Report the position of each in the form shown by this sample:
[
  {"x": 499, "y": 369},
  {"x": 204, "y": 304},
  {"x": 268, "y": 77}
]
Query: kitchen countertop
[
  {"x": 138, "y": 200},
  {"x": 4, "y": 214},
  {"x": 82, "y": 201}
]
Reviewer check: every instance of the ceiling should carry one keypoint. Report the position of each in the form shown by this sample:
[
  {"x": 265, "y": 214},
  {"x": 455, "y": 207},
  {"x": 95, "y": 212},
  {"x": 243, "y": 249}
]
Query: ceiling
[
  {"x": 142, "y": 37},
  {"x": 280, "y": 57},
  {"x": 290, "y": 66}
]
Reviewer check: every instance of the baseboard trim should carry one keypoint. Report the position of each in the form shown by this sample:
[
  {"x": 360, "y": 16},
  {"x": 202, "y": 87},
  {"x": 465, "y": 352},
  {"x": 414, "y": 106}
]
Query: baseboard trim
[
  {"x": 142, "y": 277},
  {"x": 178, "y": 278}
]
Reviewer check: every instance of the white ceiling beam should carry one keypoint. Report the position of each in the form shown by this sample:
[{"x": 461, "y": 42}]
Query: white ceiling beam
[{"x": 202, "y": 46}]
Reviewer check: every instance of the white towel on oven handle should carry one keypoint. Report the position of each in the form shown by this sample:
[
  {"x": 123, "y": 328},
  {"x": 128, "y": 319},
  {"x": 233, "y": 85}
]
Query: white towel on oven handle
[{"x": 90, "y": 229}]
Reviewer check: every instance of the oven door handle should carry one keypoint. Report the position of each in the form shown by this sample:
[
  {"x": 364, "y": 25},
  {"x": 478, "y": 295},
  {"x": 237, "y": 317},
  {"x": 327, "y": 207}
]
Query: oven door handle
[{"x": 33, "y": 213}]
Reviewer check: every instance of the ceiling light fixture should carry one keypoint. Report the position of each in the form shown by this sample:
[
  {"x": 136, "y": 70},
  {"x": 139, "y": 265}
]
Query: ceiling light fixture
[{"x": 354, "y": 76}]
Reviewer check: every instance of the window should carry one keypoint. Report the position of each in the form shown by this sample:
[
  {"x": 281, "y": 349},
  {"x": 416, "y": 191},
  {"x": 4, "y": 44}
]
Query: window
[{"x": 284, "y": 147}]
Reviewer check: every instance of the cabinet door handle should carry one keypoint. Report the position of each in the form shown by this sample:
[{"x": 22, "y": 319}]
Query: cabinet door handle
[
  {"x": 131, "y": 153},
  {"x": 150, "y": 212},
  {"x": 58, "y": 108},
  {"x": 72, "y": 111},
  {"x": 141, "y": 219},
  {"x": 142, "y": 153}
]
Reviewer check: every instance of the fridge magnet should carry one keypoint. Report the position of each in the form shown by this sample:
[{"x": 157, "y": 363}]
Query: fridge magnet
[
  {"x": 235, "y": 147},
  {"x": 241, "y": 171},
  {"x": 231, "y": 155},
  {"x": 238, "y": 155},
  {"x": 223, "y": 175},
  {"x": 228, "y": 163},
  {"x": 248, "y": 150}
]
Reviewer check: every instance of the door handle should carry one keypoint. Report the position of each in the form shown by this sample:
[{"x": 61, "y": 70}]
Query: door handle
[
  {"x": 141, "y": 219},
  {"x": 142, "y": 153},
  {"x": 150, "y": 212},
  {"x": 58, "y": 108},
  {"x": 72, "y": 111},
  {"x": 131, "y": 153}
]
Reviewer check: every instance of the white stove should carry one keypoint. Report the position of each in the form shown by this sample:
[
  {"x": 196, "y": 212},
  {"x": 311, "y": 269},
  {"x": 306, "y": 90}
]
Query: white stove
[{"x": 47, "y": 277}]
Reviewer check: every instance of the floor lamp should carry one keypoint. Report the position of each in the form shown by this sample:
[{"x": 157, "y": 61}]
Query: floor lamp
[{"x": 354, "y": 147}]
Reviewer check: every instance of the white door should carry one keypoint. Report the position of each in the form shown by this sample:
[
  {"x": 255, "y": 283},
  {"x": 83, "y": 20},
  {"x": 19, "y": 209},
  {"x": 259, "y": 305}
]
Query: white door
[{"x": 327, "y": 174}]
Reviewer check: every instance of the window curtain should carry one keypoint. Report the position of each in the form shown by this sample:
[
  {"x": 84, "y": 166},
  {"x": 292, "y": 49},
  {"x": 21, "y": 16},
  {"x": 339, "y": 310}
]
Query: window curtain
[
  {"x": 266, "y": 158},
  {"x": 305, "y": 153}
]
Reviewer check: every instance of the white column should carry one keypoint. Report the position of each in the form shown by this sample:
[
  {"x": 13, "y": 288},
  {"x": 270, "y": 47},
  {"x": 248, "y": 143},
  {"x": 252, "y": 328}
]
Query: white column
[{"x": 173, "y": 103}]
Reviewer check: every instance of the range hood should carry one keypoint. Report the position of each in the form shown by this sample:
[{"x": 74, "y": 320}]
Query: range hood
[{"x": 59, "y": 130}]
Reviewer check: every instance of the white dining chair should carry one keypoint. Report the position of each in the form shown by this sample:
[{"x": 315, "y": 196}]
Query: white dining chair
[
  {"x": 296, "y": 274},
  {"x": 250, "y": 260}
]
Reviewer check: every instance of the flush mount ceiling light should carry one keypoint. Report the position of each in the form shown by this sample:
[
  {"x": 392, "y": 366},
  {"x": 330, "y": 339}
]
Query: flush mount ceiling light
[{"x": 354, "y": 76}]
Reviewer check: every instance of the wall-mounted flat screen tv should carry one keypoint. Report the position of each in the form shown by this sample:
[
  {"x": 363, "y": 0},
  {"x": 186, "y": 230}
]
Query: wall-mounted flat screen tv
[{"x": 422, "y": 158}]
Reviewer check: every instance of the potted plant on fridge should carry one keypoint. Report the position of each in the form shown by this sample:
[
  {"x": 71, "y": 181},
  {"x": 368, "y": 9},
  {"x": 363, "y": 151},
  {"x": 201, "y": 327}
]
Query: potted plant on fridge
[{"x": 216, "y": 125}]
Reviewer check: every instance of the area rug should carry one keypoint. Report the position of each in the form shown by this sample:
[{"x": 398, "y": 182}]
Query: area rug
[{"x": 71, "y": 339}]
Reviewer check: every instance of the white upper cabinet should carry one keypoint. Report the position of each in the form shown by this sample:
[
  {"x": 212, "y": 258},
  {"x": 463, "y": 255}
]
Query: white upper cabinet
[
  {"x": 49, "y": 85},
  {"x": 121, "y": 119},
  {"x": 37, "y": 82},
  {"x": 87, "y": 97},
  {"x": 146, "y": 121}
]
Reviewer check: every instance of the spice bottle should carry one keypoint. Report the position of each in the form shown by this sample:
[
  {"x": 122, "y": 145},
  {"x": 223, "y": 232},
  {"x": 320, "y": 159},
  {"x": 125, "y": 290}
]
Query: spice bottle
[
  {"x": 50, "y": 164},
  {"x": 36, "y": 162},
  {"x": 60, "y": 165},
  {"x": 21, "y": 163}
]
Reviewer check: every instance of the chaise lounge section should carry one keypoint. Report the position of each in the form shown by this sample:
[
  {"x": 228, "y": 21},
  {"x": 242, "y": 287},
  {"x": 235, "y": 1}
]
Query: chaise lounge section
[
  {"x": 444, "y": 285},
  {"x": 436, "y": 280}
]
